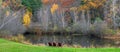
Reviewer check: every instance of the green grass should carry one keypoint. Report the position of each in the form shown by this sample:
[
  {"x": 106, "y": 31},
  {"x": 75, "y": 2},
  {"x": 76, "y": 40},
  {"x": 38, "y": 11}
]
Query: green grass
[{"x": 9, "y": 46}]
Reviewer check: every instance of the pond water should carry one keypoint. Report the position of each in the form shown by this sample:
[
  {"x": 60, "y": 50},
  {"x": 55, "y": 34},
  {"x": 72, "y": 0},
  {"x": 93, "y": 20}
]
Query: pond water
[{"x": 80, "y": 40}]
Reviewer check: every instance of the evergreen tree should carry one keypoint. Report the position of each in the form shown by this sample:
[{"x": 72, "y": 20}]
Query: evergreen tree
[{"x": 33, "y": 6}]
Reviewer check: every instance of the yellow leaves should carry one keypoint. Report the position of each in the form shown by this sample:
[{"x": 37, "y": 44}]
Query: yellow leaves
[
  {"x": 97, "y": 3},
  {"x": 84, "y": 7},
  {"x": 73, "y": 8},
  {"x": 27, "y": 18},
  {"x": 54, "y": 8},
  {"x": 85, "y": 0},
  {"x": 91, "y": 4},
  {"x": 7, "y": 13},
  {"x": 14, "y": 14}
]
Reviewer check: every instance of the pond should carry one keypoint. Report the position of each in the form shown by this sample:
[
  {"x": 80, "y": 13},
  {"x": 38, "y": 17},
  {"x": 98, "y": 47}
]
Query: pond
[{"x": 79, "y": 40}]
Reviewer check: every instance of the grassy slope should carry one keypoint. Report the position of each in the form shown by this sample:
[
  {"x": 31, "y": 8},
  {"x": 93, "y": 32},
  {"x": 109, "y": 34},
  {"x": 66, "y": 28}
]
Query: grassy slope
[{"x": 8, "y": 46}]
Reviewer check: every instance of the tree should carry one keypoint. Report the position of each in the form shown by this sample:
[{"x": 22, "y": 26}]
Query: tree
[
  {"x": 0, "y": 2},
  {"x": 66, "y": 3},
  {"x": 33, "y": 6},
  {"x": 88, "y": 4},
  {"x": 11, "y": 21},
  {"x": 27, "y": 18},
  {"x": 54, "y": 8},
  {"x": 14, "y": 5}
]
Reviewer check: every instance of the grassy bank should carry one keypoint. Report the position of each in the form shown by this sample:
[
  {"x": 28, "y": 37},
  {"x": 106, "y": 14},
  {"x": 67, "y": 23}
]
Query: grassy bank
[{"x": 9, "y": 46}]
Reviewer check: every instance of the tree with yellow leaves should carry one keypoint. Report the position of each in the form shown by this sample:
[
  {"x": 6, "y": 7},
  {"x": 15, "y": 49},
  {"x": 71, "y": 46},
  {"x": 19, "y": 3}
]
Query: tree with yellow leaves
[
  {"x": 87, "y": 4},
  {"x": 54, "y": 8},
  {"x": 27, "y": 18}
]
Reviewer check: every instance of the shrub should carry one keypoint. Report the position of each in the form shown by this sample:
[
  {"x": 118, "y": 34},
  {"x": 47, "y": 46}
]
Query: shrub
[
  {"x": 19, "y": 38},
  {"x": 100, "y": 28},
  {"x": 81, "y": 27},
  {"x": 5, "y": 34},
  {"x": 110, "y": 32}
]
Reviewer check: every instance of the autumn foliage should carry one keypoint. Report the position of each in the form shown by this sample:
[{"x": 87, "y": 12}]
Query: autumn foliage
[
  {"x": 54, "y": 8},
  {"x": 27, "y": 18},
  {"x": 61, "y": 13},
  {"x": 87, "y": 4}
]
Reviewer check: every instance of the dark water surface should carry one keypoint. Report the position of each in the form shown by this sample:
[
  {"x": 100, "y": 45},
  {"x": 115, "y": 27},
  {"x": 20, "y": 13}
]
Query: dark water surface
[{"x": 81, "y": 40}]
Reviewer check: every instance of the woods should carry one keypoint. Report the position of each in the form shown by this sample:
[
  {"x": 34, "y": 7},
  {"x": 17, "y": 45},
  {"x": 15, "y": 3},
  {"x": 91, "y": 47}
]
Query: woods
[
  {"x": 100, "y": 18},
  {"x": 79, "y": 16}
]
